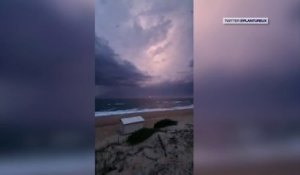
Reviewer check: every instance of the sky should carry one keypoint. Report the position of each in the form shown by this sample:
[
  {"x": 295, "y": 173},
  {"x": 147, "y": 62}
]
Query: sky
[{"x": 145, "y": 46}]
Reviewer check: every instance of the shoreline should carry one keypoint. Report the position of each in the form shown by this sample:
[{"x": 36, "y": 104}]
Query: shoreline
[
  {"x": 114, "y": 119},
  {"x": 141, "y": 111}
]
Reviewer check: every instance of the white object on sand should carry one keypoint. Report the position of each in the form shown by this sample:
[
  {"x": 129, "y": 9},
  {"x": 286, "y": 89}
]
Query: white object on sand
[{"x": 131, "y": 124}]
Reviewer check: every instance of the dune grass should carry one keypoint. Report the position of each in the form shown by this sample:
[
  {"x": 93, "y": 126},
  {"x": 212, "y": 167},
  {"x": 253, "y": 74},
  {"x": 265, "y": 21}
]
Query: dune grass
[
  {"x": 164, "y": 123},
  {"x": 140, "y": 136}
]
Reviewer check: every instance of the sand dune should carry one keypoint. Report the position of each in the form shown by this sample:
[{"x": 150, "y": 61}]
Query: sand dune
[{"x": 169, "y": 151}]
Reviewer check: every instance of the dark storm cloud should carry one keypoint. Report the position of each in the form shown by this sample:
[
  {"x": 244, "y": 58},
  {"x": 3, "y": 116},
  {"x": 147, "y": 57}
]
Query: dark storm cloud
[
  {"x": 155, "y": 37},
  {"x": 135, "y": 39},
  {"x": 113, "y": 71},
  {"x": 178, "y": 88},
  {"x": 152, "y": 35},
  {"x": 166, "y": 89}
]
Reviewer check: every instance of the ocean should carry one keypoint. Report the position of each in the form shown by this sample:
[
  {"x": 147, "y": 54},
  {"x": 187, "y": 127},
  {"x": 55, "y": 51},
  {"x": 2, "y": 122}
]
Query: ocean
[{"x": 109, "y": 107}]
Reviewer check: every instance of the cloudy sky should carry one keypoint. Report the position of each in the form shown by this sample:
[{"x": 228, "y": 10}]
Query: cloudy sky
[{"x": 145, "y": 46}]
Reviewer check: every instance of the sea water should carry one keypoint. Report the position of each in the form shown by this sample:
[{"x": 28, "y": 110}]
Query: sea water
[{"x": 108, "y": 107}]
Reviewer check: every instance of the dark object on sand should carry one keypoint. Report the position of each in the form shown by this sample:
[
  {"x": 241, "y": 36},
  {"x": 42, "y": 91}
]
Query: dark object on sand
[
  {"x": 164, "y": 123},
  {"x": 140, "y": 135}
]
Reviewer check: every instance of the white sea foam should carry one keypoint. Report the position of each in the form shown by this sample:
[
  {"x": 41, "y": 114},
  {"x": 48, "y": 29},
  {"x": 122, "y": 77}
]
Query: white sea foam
[{"x": 135, "y": 110}]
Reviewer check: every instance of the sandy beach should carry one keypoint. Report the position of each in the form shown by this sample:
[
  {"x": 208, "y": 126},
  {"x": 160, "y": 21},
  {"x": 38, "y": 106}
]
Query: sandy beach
[
  {"x": 108, "y": 126},
  {"x": 169, "y": 151}
]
